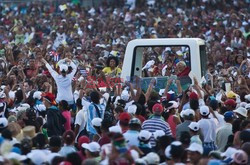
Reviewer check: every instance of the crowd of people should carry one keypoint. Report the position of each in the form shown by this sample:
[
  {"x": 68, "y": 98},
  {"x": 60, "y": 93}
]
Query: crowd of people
[{"x": 62, "y": 102}]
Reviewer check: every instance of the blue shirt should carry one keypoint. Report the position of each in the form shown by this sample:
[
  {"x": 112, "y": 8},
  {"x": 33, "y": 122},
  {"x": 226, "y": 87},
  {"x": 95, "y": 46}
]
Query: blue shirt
[{"x": 92, "y": 113}]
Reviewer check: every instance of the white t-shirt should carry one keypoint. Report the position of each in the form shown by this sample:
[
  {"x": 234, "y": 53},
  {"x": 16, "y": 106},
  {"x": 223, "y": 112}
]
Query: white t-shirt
[
  {"x": 208, "y": 129},
  {"x": 81, "y": 120}
]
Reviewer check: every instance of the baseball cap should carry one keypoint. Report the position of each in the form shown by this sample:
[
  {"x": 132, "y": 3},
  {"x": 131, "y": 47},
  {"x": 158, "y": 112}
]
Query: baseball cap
[
  {"x": 195, "y": 147},
  {"x": 144, "y": 135},
  {"x": 2, "y": 95},
  {"x": 231, "y": 95},
  {"x": 242, "y": 111},
  {"x": 92, "y": 147},
  {"x": 37, "y": 95},
  {"x": 157, "y": 108},
  {"x": 187, "y": 112},
  {"x": 240, "y": 157},
  {"x": 172, "y": 104},
  {"x": 124, "y": 117},
  {"x": 49, "y": 97},
  {"x": 194, "y": 126},
  {"x": 193, "y": 96},
  {"x": 204, "y": 110},
  {"x": 63, "y": 67},
  {"x": 158, "y": 134},
  {"x": 135, "y": 121},
  {"x": 230, "y": 102},
  {"x": 229, "y": 49},
  {"x": 152, "y": 158},
  {"x": 132, "y": 109},
  {"x": 96, "y": 122},
  {"x": 115, "y": 129},
  {"x": 247, "y": 107},
  {"x": 229, "y": 115},
  {"x": 82, "y": 139}
]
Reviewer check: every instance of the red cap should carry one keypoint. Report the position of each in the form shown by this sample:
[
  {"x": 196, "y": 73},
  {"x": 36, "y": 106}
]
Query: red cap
[
  {"x": 81, "y": 140},
  {"x": 124, "y": 117},
  {"x": 49, "y": 97},
  {"x": 157, "y": 108},
  {"x": 193, "y": 96},
  {"x": 230, "y": 102}
]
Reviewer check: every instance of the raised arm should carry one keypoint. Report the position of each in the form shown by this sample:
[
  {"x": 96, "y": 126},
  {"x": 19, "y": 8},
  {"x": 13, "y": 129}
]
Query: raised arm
[{"x": 53, "y": 73}]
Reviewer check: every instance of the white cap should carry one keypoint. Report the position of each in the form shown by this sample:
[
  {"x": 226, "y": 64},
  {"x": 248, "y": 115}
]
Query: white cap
[
  {"x": 132, "y": 109},
  {"x": 23, "y": 106},
  {"x": 152, "y": 158},
  {"x": 161, "y": 92},
  {"x": 144, "y": 135},
  {"x": 63, "y": 67},
  {"x": 243, "y": 104},
  {"x": 37, "y": 95},
  {"x": 195, "y": 147},
  {"x": 170, "y": 16},
  {"x": 194, "y": 126},
  {"x": 179, "y": 53},
  {"x": 3, "y": 122},
  {"x": 96, "y": 122},
  {"x": 242, "y": 111},
  {"x": 125, "y": 95},
  {"x": 13, "y": 155},
  {"x": 174, "y": 105},
  {"x": 37, "y": 157},
  {"x": 158, "y": 134},
  {"x": 247, "y": 106},
  {"x": 229, "y": 49},
  {"x": 92, "y": 147},
  {"x": 115, "y": 129},
  {"x": 204, "y": 110},
  {"x": 229, "y": 152},
  {"x": 40, "y": 107},
  {"x": 140, "y": 161},
  {"x": 2, "y": 95},
  {"x": 187, "y": 112},
  {"x": 247, "y": 97}
]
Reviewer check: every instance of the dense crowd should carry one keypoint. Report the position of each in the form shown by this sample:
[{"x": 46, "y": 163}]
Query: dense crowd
[{"x": 62, "y": 102}]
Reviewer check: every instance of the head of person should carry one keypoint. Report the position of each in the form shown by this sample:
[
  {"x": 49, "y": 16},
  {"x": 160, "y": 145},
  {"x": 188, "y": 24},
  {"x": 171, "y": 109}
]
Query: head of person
[
  {"x": 188, "y": 114},
  {"x": 135, "y": 124},
  {"x": 48, "y": 99},
  {"x": 74, "y": 158},
  {"x": 118, "y": 110},
  {"x": 92, "y": 149},
  {"x": 124, "y": 119},
  {"x": 69, "y": 137},
  {"x": 194, "y": 128},
  {"x": 157, "y": 109},
  {"x": 97, "y": 122},
  {"x": 63, "y": 68},
  {"x": 195, "y": 152},
  {"x": 214, "y": 104},
  {"x": 55, "y": 143},
  {"x": 63, "y": 105},
  {"x": 40, "y": 141},
  {"x": 112, "y": 62},
  {"x": 28, "y": 86},
  {"x": 81, "y": 140},
  {"x": 204, "y": 111},
  {"x": 181, "y": 66},
  {"x": 32, "y": 63},
  {"x": 95, "y": 97},
  {"x": 230, "y": 104},
  {"x": 229, "y": 116},
  {"x": 241, "y": 113}
]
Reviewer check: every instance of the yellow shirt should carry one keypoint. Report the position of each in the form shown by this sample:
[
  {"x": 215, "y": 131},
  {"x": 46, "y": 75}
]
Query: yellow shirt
[{"x": 115, "y": 72}]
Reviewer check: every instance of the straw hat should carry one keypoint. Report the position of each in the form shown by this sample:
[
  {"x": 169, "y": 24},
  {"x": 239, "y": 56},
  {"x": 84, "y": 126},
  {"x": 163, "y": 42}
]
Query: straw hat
[{"x": 29, "y": 131}]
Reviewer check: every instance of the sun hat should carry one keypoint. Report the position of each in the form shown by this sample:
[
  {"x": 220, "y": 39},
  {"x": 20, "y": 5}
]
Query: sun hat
[
  {"x": 92, "y": 147},
  {"x": 242, "y": 111}
]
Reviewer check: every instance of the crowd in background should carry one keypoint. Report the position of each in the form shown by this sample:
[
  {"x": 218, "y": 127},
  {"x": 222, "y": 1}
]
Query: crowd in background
[{"x": 61, "y": 101}]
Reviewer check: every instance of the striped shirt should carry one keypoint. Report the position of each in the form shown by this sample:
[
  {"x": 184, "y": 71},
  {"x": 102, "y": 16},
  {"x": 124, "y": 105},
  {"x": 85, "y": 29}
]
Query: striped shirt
[{"x": 156, "y": 123}]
